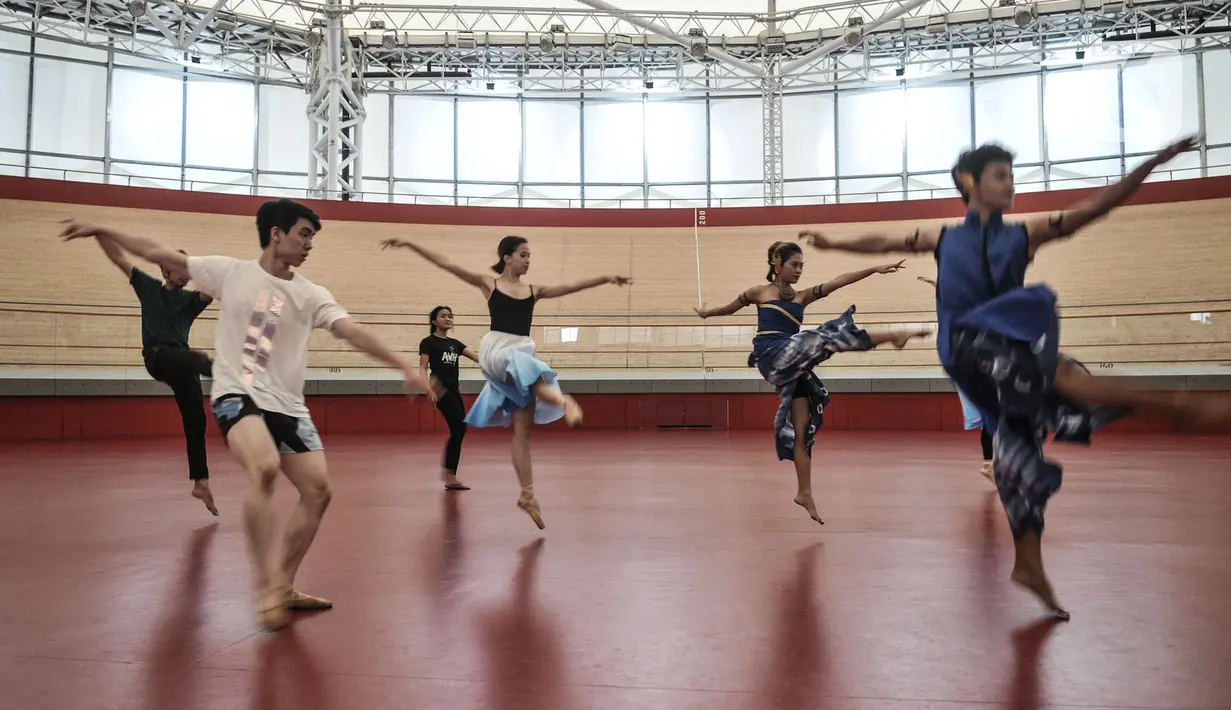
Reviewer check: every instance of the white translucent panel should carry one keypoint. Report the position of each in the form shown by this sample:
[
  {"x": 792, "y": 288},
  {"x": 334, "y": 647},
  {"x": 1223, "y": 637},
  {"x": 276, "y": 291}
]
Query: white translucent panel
[
  {"x": 15, "y": 88},
  {"x": 1028, "y": 179},
  {"x": 678, "y": 195},
  {"x": 12, "y": 165},
  {"x": 1081, "y": 113},
  {"x": 1184, "y": 166},
  {"x": 423, "y": 193},
  {"x": 613, "y": 135},
  {"x": 938, "y": 127},
  {"x": 748, "y": 194},
  {"x": 553, "y": 141},
  {"x": 808, "y": 136},
  {"x": 934, "y": 186},
  {"x": 614, "y": 196},
  {"x": 675, "y": 141},
  {"x": 881, "y": 189},
  {"x": 736, "y": 145},
  {"x": 70, "y": 108},
  {"x": 170, "y": 58},
  {"x": 136, "y": 175},
  {"x": 50, "y": 47},
  {"x": 282, "y": 185},
  {"x": 488, "y": 139},
  {"x": 1219, "y": 161},
  {"x": 283, "y": 131},
  {"x": 1007, "y": 112},
  {"x": 375, "y": 136},
  {"x": 1160, "y": 101},
  {"x": 871, "y": 128},
  {"x": 810, "y": 192},
  {"x": 221, "y": 124},
  {"x": 423, "y": 137},
  {"x": 1089, "y": 173},
  {"x": 14, "y": 41},
  {"x": 470, "y": 195},
  {"x": 147, "y": 116},
  {"x": 225, "y": 181},
  {"x": 551, "y": 196},
  {"x": 374, "y": 191},
  {"x": 1216, "y": 71},
  {"x": 72, "y": 169}
]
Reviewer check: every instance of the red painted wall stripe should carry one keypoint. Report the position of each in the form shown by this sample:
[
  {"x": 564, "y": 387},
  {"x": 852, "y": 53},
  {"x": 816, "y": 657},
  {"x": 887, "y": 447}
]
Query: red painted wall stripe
[{"x": 81, "y": 193}]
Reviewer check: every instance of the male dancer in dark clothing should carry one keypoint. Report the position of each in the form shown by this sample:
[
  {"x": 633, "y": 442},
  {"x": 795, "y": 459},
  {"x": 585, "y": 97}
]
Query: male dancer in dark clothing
[{"x": 167, "y": 313}]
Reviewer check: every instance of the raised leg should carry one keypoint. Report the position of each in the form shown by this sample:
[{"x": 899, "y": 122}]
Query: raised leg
[
  {"x": 178, "y": 369},
  {"x": 1181, "y": 408},
  {"x": 551, "y": 394},
  {"x": 523, "y": 423},
  {"x": 800, "y": 420}
]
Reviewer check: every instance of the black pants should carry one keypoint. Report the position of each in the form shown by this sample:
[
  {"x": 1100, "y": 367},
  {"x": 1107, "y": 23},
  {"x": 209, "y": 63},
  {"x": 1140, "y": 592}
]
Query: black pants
[
  {"x": 986, "y": 439},
  {"x": 450, "y": 405},
  {"x": 182, "y": 369}
]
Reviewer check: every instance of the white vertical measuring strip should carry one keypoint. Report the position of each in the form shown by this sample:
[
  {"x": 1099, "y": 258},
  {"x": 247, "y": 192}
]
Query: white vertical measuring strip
[{"x": 696, "y": 238}]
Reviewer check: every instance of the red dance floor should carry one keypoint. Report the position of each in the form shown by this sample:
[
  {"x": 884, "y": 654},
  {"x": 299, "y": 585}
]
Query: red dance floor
[{"x": 674, "y": 573}]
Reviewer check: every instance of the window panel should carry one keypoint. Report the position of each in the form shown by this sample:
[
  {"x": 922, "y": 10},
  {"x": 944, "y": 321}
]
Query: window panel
[
  {"x": 938, "y": 128},
  {"x": 614, "y": 141},
  {"x": 70, "y": 108},
  {"x": 221, "y": 120},
  {"x": 1160, "y": 101},
  {"x": 423, "y": 193},
  {"x": 1081, "y": 112},
  {"x": 283, "y": 129},
  {"x": 226, "y": 181},
  {"x": 810, "y": 192},
  {"x": 423, "y": 142},
  {"x": 488, "y": 139},
  {"x": 1007, "y": 112},
  {"x": 878, "y": 189},
  {"x": 736, "y": 146},
  {"x": 15, "y": 88},
  {"x": 871, "y": 128},
  {"x": 1089, "y": 173},
  {"x": 1219, "y": 160},
  {"x": 808, "y": 136},
  {"x": 1216, "y": 67},
  {"x": 147, "y": 116},
  {"x": 614, "y": 196},
  {"x": 375, "y": 190},
  {"x": 71, "y": 169},
  {"x": 551, "y": 196},
  {"x": 375, "y": 136},
  {"x": 678, "y": 195},
  {"x": 675, "y": 141},
  {"x": 553, "y": 141},
  {"x": 136, "y": 175},
  {"x": 486, "y": 195},
  {"x": 747, "y": 194},
  {"x": 283, "y": 185}
]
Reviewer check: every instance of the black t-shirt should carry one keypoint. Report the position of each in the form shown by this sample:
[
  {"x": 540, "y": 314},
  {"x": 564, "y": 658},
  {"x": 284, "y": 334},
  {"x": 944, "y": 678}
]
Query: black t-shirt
[
  {"x": 442, "y": 355},
  {"x": 166, "y": 315}
]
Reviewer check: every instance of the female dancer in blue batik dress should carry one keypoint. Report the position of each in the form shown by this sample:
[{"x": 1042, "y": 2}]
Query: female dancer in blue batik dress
[
  {"x": 519, "y": 388},
  {"x": 786, "y": 355},
  {"x": 972, "y": 418},
  {"x": 997, "y": 340}
]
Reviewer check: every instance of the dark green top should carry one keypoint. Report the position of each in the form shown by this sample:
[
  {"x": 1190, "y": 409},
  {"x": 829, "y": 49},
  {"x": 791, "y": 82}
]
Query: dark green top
[{"x": 166, "y": 315}]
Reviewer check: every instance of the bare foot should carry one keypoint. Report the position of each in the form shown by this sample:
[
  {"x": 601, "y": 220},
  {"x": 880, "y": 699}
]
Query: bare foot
[
  {"x": 201, "y": 490},
  {"x": 451, "y": 482},
  {"x": 527, "y": 502},
  {"x": 272, "y": 613},
  {"x": 988, "y": 471},
  {"x": 1036, "y": 583},
  {"x": 900, "y": 340},
  {"x": 572, "y": 411},
  {"x": 1195, "y": 411},
  {"x": 805, "y": 500}
]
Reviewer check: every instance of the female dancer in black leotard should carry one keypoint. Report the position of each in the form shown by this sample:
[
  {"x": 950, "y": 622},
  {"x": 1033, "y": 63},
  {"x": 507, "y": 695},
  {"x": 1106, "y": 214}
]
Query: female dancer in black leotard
[
  {"x": 786, "y": 355},
  {"x": 440, "y": 353},
  {"x": 520, "y": 388}
]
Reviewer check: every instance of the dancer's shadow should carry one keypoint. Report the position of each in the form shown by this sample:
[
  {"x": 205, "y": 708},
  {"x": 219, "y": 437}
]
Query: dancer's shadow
[
  {"x": 797, "y": 676},
  {"x": 288, "y": 677},
  {"x": 444, "y": 549},
  {"x": 172, "y": 676},
  {"x": 1028, "y": 641},
  {"x": 524, "y": 662},
  {"x": 986, "y": 572}
]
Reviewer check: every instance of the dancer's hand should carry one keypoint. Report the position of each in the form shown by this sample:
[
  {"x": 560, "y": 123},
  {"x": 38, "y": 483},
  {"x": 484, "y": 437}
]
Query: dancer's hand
[
  {"x": 78, "y": 230},
  {"x": 394, "y": 244},
  {"x": 412, "y": 379},
  {"x": 1181, "y": 146},
  {"x": 816, "y": 240},
  {"x": 891, "y": 268},
  {"x": 619, "y": 280},
  {"x": 700, "y": 311}
]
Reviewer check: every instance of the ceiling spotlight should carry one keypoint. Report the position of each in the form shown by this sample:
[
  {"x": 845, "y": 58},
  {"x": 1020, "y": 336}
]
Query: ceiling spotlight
[
  {"x": 136, "y": 8},
  {"x": 649, "y": 83},
  {"x": 491, "y": 86},
  {"x": 389, "y": 40},
  {"x": 1023, "y": 15},
  {"x": 547, "y": 42},
  {"x": 699, "y": 47},
  {"x": 852, "y": 35}
]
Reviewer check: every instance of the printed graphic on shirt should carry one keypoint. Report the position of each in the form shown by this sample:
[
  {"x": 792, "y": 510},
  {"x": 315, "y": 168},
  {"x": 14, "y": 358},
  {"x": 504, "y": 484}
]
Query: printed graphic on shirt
[{"x": 262, "y": 327}]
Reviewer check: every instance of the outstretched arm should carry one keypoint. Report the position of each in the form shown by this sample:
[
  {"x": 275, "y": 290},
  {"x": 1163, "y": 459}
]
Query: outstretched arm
[
  {"x": 116, "y": 255},
  {"x": 926, "y": 280},
  {"x": 143, "y": 247},
  {"x": 364, "y": 338},
  {"x": 747, "y": 298},
  {"x": 558, "y": 291},
  {"x": 467, "y": 352},
  {"x": 924, "y": 239},
  {"x": 824, "y": 289},
  {"x": 1061, "y": 226},
  {"x": 479, "y": 281}
]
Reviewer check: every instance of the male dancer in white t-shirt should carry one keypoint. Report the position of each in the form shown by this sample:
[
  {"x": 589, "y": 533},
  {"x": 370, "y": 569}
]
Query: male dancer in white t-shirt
[{"x": 267, "y": 314}]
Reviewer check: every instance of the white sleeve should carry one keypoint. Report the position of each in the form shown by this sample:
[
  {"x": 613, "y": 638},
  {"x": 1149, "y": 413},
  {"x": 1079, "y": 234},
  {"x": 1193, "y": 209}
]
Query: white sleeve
[
  {"x": 327, "y": 310},
  {"x": 210, "y": 273}
]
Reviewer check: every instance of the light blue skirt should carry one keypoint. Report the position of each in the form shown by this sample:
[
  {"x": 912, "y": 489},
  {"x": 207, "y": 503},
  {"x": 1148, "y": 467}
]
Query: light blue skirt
[
  {"x": 511, "y": 369},
  {"x": 973, "y": 419}
]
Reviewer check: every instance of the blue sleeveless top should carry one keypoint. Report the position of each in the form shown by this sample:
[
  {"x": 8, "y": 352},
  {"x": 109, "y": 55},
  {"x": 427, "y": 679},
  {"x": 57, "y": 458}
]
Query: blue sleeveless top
[
  {"x": 778, "y": 319},
  {"x": 976, "y": 264}
]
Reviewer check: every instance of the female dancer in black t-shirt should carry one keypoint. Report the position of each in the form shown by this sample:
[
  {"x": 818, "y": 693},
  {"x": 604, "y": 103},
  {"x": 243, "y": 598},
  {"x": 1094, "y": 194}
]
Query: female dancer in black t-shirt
[{"x": 440, "y": 353}]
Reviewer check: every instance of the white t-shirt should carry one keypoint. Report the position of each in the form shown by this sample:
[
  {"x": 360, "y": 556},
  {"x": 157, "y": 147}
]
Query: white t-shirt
[{"x": 264, "y": 323}]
